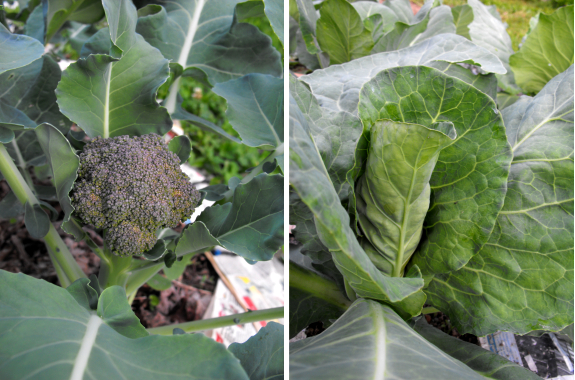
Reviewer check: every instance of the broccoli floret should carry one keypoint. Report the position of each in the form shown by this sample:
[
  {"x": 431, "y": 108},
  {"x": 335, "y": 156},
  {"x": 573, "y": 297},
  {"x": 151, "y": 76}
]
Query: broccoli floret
[{"x": 130, "y": 187}]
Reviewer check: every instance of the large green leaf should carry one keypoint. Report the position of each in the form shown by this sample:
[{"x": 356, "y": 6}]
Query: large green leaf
[
  {"x": 367, "y": 9},
  {"x": 337, "y": 87},
  {"x": 309, "y": 178},
  {"x": 547, "y": 51},
  {"x": 393, "y": 193},
  {"x": 109, "y": 96},
  {"x": 17, "y": 50},
  {"x": 370, "y": 341},
  {"x": 341, "y": 33},
  {"x": 522, "y": 279},
  {"x": 487, "y": 30},
  {"x": 485, "y": 362},
  {"x": 255, "y": 109},
  {"x": 262, "y": 356},
  {"x": 252, "y": 224},
  {"x": 307, "y": 20},
  {"x": 402, "y": 9},
  {"x": 462, "y": 17},
  {"x": 469, "y": 181},
  {"x": 45, "y": 333},
  {"x": 204, "y": 35}
]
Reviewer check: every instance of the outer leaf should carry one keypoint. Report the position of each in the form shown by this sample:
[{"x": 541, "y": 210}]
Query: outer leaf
[
  {"x": 275, "y": 12},
  {"x": 527, "y": 264},
  {"x": 59, "y": 11},
  {"x": 547, "y": 51},
  {"x": 255, "y": 109},
  {"x": 337, "y": 87},
  {"x": 340, "y": 32},
  {"x": 109, "y": 97},
  {"x": 393, "y": 193},
  {"x": 37, "y": 222},
  {"x": 370, "y": 341},
  {"x": 17, "y": 50},
  {"x": 84, "y": 294},
  {"x": 489, "y": 32},
  {"x": 485, "y": 362},
  {"x": 204, "y": 35},
  {"x": 309, "y": 178},
  {"x": 336, "y": 135},
  {"x": 308, "y": 22},
  {"x": 45, "y": 333},
  {"x": 402, "y": 9},
  {"x": 10, "y": 206},
  {"x": 262, "y": 356},
  {"x": 195, "y": 237},
  {"x": 251, "y": 225},
  {"x": 367, "y": 9},
  {"x": 63, "y": 162},
  {"x": 469, "y": 182}
]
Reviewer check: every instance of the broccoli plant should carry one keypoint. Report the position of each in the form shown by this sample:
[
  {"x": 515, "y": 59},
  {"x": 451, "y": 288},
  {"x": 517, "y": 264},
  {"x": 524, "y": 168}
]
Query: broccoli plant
[
  {"x": 415, "y": 189},
  {"x": 96, "y": 130}
]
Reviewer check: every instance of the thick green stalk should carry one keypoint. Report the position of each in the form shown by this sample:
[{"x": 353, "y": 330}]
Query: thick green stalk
[
  {"x": 213, "y": 323},
  {"x": 139, "y": 277},
  {"x": 317, "y": 286},
  {"x": 113, "y": 270},
  {"x": 57, "y": 249}
]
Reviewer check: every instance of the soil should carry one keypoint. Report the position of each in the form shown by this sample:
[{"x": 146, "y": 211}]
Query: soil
[{"x": 185, "y": 301}]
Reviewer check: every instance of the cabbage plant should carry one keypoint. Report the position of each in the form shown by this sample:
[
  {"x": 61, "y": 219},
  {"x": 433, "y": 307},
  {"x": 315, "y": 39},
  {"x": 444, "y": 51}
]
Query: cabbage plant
[
  {"x": 413, "y": 191},
  {"x": 127, "y": 183}
]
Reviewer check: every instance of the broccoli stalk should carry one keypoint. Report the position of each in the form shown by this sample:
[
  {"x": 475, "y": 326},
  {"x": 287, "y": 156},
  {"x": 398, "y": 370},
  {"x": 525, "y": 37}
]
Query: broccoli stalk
[{"x": 130, "y": 187}]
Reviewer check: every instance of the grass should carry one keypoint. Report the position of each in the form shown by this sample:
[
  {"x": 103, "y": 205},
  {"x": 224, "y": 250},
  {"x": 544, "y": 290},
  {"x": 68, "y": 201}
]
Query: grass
[{"x": 516, "y": 13}]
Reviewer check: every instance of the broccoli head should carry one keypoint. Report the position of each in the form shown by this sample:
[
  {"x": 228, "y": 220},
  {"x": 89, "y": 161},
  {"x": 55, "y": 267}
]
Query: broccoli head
[{"x": 130, "y": 187}]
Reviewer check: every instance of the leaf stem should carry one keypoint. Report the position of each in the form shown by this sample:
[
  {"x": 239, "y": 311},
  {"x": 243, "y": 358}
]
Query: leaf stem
[
  {"x": 172, "y": 98},
  {"x": 229, "y": 320},
  {"x": 312, "y": 283},
  {"x": 59, "y": 252}
]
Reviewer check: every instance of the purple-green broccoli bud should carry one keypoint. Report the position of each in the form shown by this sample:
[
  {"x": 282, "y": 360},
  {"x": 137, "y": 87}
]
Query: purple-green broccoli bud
[{"x": 131, "y": 187}]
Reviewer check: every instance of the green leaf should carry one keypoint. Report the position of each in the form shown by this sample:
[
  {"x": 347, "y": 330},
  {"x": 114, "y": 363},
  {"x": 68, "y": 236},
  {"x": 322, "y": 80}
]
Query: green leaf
[
  {"x": 35, "y": 26},
  {"x": 274, "y": 10},
  {"x": 195, "y": 238},
  {"x": 60, "y": 11},
  {"x": 393, "y": 193},
  {"x": 156, "y": 252},
  {"x": 262, "y": 356},
  {"x": 547, "y": 51},
  {"x": 485, "y": 362},
  {"x": 37, "y": 222},
  {"x": 255, "y": 109},
  {"x": 204, "y": 36},
  {"x": 527, "y": 264},
  {"x": 117, "y": 313},
  {"x": 487, "y": 30},
  {"x": 64, "y": 164},
  {"x": 402, "y": 9},
  {"x": 84, "y": 294},
  {"x": 109, "y": 96},
  {"x": 159, "y": 282},
  {"x": 308, "y": 22},
  {"x": 462, "y": 17},
  {"x": 370, "y": 341},
  {"x": 10, "y": 206},
  {"x": 43, "y": 329},
  {"x": 436, "y": 21},
  {"x": 179, "y": 267},
  {"x": 505, "y": 100},
  {"x": 470, "y": 178},
  {"x": 17, "y": 50},
  {"x": 367, "y": 9},
  {"x": 341, "y": 33},
  {"x": 252, "y": 224},
  {"x": 336, "y": 135},
  {"x": 30, "y": 89},
  {"x": 337, "y": 87},
  {"x": 309, "y": 178},
  {"x": 182, "y": 146}
]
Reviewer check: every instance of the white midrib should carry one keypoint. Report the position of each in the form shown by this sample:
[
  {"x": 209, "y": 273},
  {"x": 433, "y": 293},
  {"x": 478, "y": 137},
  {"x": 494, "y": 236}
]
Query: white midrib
[
  {"x": 170, "y": 102},
  {"x": 106, "y": 131},
  {"x": 86, "y": 347},
  {"x": 380, "y": 348}
]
